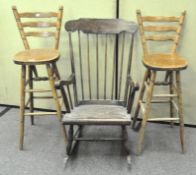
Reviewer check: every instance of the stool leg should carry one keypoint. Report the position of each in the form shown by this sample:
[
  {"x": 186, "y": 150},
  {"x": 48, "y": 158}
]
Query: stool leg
[
  {"x": 54, "y": 93},
  {"x": 31, "y": 107},
  {"x": 180, "y": 109},
  {"x": 140, "y": 98},
  {"x": 22, "y": 107},
  {"x": 171, "y": 90},
  {"x": 146, "y": 112}
]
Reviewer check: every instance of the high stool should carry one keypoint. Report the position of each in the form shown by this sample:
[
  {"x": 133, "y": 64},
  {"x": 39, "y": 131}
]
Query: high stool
[
  {"x": 30, "y": 58},
  {"x": 171, "y": 63}
]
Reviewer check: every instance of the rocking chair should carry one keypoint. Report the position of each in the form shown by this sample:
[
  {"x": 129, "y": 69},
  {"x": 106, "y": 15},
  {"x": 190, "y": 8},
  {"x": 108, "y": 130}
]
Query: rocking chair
[{"x": 103, "y": 90}]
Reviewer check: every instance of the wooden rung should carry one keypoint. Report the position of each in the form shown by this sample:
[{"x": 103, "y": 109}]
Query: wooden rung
[
  {"x": 161, "y": 83},
  {"x": 45, "y": 97},
  {"x": 40, "y": 113},
  {"x": 162, "y": 119},
  {"x": 40, "y": 78},
  {"x": 38, "y": 90},
  {"x": 164, "y": 95},
  {"x": 99, "y": 139},
  {"x": 158, "y": 101}
]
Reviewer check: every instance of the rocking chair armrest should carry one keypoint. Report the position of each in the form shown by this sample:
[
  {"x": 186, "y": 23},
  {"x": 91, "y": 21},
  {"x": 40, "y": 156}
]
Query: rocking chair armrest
[
  {"x": 69, "y": 81},
  {"x": 132, "y": 83},
  {"x": 133, "y": 86}
]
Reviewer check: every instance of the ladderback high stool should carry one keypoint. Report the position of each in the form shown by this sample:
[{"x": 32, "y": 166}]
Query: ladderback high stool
[
  {"x": 162, "y": 30},
  {"x": 44, "y": 25}
]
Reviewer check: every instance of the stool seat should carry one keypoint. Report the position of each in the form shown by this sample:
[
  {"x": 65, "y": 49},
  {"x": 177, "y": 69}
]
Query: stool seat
[
  {"x": 36, "y": 56},
  {"x": 165, "y": 62}
]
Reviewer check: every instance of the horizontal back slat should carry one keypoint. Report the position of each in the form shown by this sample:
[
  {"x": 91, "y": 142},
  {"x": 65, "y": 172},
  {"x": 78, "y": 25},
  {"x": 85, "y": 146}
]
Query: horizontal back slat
[
  {"x": 38, "y": 15},
  {"x": 160, "y": 19},
  {"x": 160, "y": 37},
  {"x": 160, "y": 28},
  {"x": 40, "y": 34},
  {"x": 40, "y": 24}
]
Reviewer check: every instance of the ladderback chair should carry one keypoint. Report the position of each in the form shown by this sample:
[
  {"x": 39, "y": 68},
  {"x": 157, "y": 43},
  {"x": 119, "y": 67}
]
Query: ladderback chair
[
  {"x": 103, "y": 90},
  {"x": 155, "y": 33},
  {"x": 38, "y": 25}
]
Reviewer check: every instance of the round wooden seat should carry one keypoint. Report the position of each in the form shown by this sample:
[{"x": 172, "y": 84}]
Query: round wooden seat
[
  {"x": 164, "y": 62},
  {"x": 36, "y": 56}
]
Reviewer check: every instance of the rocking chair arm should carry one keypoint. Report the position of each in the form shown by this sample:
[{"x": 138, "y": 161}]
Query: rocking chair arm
[
  {"x": 133, "y": 87},
  {"x": 67, "y": 82}
]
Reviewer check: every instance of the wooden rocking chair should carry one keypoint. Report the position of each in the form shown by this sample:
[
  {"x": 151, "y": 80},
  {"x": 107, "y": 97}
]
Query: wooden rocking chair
[{"x": 103, "y": 90}]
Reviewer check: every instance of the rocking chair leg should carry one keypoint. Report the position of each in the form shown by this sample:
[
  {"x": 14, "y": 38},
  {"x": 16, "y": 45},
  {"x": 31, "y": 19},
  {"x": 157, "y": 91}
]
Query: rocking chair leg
[
  {"x": 146, "y": 75},
  {"x": 125, "y": 137},
  {"x": 70, "y": 140}
]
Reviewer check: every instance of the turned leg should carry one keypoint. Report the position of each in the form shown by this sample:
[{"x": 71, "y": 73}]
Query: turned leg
[
  {"x": 171, "y": 90},
  {"x": 31, "y": 107},
  {"x": 180, "y": 109},
  {"x": 57, "y": 104},
  {"x": 146, "y": 75},
  {"x": 146, "y": 112},
  {"x": 22, "y": 107}
]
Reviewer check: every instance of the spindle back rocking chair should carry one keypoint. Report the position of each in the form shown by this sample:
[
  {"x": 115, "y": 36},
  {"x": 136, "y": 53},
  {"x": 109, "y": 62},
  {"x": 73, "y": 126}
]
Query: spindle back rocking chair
[{"x": 103, "y": 90}]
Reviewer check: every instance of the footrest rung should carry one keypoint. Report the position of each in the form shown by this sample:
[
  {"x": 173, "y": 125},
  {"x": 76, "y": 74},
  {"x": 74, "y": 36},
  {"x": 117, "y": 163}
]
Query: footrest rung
[
  {"x": 40, "y": 113},
  {"x": 164, "y": 95},
  {"x": 38, "y": 90},
  {"x": 98, "y": 139},
  {"x": 163, "y": 119}
]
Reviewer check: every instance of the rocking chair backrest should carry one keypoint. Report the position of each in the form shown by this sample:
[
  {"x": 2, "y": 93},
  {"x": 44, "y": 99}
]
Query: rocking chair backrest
[{"x": 101, "y": 56}]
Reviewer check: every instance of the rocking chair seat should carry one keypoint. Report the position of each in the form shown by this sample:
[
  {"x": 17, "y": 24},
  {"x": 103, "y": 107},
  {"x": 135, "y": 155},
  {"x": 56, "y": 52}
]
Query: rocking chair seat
[{"x": 98, "y": 114}]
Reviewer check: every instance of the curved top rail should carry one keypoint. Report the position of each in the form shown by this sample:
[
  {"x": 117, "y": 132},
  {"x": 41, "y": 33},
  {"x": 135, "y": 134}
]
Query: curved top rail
[{"x": 102, "y": 26}]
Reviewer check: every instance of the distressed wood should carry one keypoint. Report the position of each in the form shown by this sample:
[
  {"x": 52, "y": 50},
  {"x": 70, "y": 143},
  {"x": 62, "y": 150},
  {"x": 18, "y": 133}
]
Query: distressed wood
[
  {"x": 109, "y": 26},
  {"x": 97, "y": 38},
  {"x": 97, "y": 114}
]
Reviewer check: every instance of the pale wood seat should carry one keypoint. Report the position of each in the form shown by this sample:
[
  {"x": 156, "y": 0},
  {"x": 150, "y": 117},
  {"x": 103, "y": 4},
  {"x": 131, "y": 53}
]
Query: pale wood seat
[
  {"x": 38, "y": 25},
  {"x": 102, "y": 90},
  {"x": 37, "y": 56},
  {"x": 158, "y": 33},
  {"x": 165, "y": 62}
]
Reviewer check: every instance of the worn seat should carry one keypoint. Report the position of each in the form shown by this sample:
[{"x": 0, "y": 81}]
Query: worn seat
[
  {"x": 160, "y": 36},
  {"x": 98, "y": 114},
  {"x": 103, "y": 90},
  {"x": 43, "y": 25}
]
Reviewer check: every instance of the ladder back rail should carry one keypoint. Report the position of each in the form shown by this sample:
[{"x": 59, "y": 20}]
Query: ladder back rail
[
  {"x": 162, "y": 28},
  {"x": 32, "y": 21}
]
